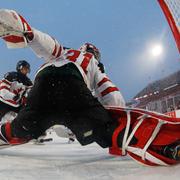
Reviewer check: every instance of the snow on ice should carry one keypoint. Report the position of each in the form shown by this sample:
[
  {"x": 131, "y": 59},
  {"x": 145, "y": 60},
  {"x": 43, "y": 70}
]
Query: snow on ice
[{"x": 59, "y": 160}]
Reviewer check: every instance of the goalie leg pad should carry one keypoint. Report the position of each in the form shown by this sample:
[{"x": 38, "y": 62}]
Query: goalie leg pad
[{"x": 151, "y": 130}]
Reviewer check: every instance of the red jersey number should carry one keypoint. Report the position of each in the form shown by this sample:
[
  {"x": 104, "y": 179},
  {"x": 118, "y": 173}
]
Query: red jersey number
[{"x": 73, "y": 55}]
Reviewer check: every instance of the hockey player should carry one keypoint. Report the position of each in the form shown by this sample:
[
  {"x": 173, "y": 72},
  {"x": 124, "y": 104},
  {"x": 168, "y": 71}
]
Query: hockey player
[
  {"x": 13, "y": 88},
  {"x": 61, "y": 94}
]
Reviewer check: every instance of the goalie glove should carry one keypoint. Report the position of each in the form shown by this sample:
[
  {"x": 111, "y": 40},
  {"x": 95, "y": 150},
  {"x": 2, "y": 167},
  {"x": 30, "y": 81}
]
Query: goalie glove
[{"x": 14, "y": 29}]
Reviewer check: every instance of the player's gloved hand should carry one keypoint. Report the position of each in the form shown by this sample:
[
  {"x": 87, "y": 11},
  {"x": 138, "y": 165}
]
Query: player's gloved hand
[{"x": 14, "y": 29}]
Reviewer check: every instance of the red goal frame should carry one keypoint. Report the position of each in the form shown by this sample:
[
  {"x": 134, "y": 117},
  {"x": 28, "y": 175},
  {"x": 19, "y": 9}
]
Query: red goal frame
[{"x": 171, "y": 21}]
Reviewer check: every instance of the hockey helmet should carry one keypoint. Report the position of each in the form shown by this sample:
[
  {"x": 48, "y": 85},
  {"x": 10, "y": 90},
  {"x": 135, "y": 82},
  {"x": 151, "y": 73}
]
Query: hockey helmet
[
  {"x": 21, "y": 64},
  {"x": 90, "y": 48}
]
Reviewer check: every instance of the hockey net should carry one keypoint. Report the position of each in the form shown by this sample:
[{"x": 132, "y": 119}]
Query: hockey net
[{"x": 171, "y": 9}]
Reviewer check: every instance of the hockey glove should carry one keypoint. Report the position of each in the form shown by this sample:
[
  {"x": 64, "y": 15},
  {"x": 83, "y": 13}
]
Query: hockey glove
[{"x": 14, "y": 29}]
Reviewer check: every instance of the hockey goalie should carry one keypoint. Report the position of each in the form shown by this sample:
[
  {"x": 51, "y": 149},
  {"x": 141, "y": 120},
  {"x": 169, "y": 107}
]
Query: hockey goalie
[{"x": 148, "y": 137}]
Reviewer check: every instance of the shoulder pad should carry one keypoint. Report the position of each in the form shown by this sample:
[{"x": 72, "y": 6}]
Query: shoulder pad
[{"x": 11, "y": 76}]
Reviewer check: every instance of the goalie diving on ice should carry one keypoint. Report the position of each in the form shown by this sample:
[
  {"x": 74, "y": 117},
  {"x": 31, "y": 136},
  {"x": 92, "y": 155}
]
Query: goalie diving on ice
[{"x": 62, "y": 94}]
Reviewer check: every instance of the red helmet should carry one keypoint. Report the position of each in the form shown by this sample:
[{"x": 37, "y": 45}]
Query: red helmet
[{"x": 90, "y": 48}]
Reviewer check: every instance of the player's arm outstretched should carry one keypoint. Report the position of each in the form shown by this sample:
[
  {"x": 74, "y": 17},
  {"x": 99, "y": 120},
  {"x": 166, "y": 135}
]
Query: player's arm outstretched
[{"x": 17, "y": 33}]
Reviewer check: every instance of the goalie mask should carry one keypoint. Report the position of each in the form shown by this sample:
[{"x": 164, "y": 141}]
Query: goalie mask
[{"x": 90, "y": 48}]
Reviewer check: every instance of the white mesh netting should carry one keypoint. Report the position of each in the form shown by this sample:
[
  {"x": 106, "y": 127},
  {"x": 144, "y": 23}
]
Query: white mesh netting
[{"x": 174, "y": 8}]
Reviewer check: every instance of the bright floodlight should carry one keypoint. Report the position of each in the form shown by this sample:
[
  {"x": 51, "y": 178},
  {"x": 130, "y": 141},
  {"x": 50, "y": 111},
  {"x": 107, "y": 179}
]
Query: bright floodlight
[{"x": 156, "y": 50}]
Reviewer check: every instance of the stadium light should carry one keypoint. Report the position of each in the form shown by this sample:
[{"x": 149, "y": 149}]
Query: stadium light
[{"x": 156, "y": 50}]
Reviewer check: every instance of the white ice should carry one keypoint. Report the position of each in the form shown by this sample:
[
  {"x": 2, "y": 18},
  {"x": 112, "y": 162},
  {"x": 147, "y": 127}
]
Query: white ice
[{"x": 59, "y": 160}]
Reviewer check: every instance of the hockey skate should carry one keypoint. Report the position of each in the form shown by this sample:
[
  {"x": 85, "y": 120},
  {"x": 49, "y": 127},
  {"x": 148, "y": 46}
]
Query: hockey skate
[
  {"x": 7, "y": 140},
  {"x": 172, "y": 151},
  {"x": 3, "y": 140}
]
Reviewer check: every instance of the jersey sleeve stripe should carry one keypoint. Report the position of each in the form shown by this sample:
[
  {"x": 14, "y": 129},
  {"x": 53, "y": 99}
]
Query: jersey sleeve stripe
[
  {"x": 109, "y": 90},
  {"x": 4, "y": 87},
  {"x": 103, "y": 81},
  {"x": 54, "y": 51},
  {"x": 6, "y": 82},
  {"x": 9, "y": 101},
  {"x": 59, "y": 52}
]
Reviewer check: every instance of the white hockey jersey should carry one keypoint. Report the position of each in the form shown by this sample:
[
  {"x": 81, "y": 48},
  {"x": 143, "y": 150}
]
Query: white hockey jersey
[
  {"x": 52, "y": 51},
  {"x": 11, "y": 92}
]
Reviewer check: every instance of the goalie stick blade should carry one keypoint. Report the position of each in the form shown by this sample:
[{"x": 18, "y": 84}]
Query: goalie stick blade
[
  {"x": 41, "y": 141},
  {"x": 45, "y": 140}
]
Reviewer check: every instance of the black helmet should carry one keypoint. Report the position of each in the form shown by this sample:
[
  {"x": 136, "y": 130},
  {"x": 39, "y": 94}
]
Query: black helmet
[
  {"x": 87, "y": 47},
  {"x": 21, "y": 64}
]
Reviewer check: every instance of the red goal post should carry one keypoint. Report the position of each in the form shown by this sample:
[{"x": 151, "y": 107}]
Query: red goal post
[{"x": 171, "y": 9}]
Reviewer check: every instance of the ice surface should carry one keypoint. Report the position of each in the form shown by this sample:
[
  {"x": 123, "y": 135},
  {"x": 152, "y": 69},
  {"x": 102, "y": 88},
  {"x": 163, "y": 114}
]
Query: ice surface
[{"x": 59, "y": 160}]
